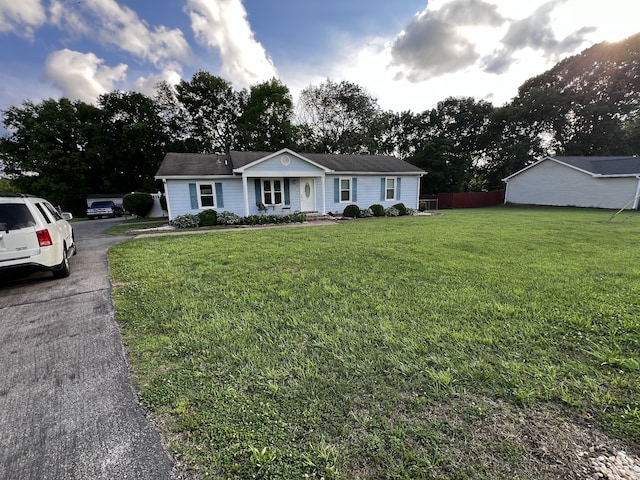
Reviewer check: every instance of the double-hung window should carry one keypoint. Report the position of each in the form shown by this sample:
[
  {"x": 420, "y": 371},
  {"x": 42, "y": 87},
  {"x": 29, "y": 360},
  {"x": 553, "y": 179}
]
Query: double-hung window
[
  {"x": 272, "y": 191},
  {"x": 345, "y": 190},
  {"x": 390, "y": 189},
  {"x": 206, "y": 195}
]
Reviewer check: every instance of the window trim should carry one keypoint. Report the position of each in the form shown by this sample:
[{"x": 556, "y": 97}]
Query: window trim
[
  {"x": 340, "y": 189},
  {"x": 200, "y": 195},
  {"x": 272, "y": 190},
  {"x": 386, "y": 188}
]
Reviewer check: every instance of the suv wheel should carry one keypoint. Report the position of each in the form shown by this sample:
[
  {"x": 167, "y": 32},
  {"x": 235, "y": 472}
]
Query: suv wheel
[{"x": 63, "y": 269}]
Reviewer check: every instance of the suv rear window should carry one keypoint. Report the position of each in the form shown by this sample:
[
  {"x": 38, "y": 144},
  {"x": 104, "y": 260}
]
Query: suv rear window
[{"x": 14, "y": 216}]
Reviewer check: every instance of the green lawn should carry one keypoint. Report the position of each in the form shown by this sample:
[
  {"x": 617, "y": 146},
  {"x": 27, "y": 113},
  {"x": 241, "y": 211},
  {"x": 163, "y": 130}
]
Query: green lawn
[{"x": 411, "y": 347}]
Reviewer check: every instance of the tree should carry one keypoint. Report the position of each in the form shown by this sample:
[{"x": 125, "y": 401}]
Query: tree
[
  {"x": 266, "y": 120},
  {"x": 212, "y": 109},
  {"x": 451, "y": 142},
  {"x": 49, "y": 149},
  {"x": 133, "y": 143},
  {"x": 338, "y": 117}
]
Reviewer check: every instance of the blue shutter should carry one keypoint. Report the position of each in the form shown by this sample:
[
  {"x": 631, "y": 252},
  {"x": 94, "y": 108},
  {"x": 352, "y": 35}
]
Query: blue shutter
[
  {"x": 258, "y": 191},
  {"x": 336, "y": 190},
  {"x": 219, "y": 198},
  {"x": 193, "y": 193},
  {"x": 383, "y": 185},
  {"x": 354, "y": 189},
  {"x": 287, "y": 196},
  {"x": 398, "y": 189}
]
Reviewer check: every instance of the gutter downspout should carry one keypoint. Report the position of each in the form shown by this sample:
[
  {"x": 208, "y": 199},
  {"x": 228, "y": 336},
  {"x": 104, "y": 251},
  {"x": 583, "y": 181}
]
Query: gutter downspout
[
  {"x": 246, "y": 195},
  {"x": 166, "y": 196},
  {"x": 635, "y": 202}
]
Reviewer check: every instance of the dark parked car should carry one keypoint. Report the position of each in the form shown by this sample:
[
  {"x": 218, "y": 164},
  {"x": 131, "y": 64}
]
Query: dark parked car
[{"x": 106, "y": 208}]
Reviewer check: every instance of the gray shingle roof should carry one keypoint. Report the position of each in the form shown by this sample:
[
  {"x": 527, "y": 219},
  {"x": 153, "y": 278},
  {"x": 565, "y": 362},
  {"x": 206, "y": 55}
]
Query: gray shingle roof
[
  {"x": 604, "y": 165},
  {"x": 196, "y": 164}
]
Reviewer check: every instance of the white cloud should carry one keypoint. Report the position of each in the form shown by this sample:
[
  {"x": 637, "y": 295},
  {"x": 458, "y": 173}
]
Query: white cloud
[
  {"x": 223, "y": 25},
  {"x": 114, "y": 24},
  {"x": 483, "y": 49},
  {"x": 82, "y": 76},
  {"x": 21, "y": 17},
  {"x": 147, "y": 85}
]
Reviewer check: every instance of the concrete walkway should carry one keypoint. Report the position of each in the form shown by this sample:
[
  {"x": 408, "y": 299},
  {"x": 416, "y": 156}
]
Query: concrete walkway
[{"x": 67, "y": 408}]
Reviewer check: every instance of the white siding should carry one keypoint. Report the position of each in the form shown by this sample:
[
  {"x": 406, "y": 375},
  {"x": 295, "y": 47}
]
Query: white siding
[
  {"x": 369, "y": 190},
  {"x": 550, "y": 183}
]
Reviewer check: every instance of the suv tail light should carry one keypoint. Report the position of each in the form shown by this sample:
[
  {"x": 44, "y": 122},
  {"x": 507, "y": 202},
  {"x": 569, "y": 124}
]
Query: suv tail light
[{"x": 44, "y": 238}]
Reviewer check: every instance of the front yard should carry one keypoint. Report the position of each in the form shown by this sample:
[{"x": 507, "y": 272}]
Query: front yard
[{"x": 487, "y": 343}]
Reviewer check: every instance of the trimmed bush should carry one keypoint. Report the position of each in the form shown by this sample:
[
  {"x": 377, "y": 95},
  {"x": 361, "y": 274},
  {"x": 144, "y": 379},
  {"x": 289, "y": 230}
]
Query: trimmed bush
[
  {"x": 401, "y": 208},
  {"x": 138, "y": 203},
  {"x": 351, "y": 211},
  {"x": 392, "y": 212},
  {"x": 422, "y": 206},
  {"x": 366, "y": 213},
  {"x": 228, "y": 218},
  {"x": 269, "y": 219},
  {"x": 377, "y": 209},
  {"x": 208, "y": 218},
  {"x": 186, "y": 221}
]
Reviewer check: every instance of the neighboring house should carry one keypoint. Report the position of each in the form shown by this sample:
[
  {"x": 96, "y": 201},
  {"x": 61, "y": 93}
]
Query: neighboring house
[
  {"x": 250, "y": 183},
  {"x": 600, "y": 182}
]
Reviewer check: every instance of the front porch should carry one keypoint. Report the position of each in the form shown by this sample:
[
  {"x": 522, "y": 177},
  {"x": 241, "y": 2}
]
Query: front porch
[{"x": 272, "y": 195}]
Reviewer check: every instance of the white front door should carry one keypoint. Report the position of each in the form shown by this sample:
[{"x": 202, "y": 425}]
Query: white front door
[{"x": 307, "y": 195}]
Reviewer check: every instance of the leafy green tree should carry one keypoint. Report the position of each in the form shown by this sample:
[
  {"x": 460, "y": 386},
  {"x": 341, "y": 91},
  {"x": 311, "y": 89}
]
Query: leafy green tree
[
  {"x": 212, "y": 110},
  {"x": 338, "y": 117},
  {"x": 49, "y": 149},
  {"x": 133, "y": 143},
  {"x": 451, "y": 144},
  {"x": 266, "y": 120},
  {"x": 7, "y": 185}
]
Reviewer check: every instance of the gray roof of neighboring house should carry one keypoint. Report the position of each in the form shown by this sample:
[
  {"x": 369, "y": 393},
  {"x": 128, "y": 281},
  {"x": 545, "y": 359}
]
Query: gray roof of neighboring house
[
  {"x": 196, "y": 164},
  {"x": 604, "y": 165}
]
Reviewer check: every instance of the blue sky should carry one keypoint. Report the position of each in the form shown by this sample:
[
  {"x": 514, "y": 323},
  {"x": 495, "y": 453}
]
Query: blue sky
[{"x": 409, "y": 54}]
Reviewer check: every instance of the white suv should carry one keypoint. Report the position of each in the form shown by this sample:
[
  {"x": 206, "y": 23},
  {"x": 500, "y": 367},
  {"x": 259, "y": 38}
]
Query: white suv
[{"x": 34, "y": 235}]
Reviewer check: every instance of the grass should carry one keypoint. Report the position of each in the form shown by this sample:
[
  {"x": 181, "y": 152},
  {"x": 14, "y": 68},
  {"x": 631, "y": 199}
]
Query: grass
[{"x": 412, "y": 347}]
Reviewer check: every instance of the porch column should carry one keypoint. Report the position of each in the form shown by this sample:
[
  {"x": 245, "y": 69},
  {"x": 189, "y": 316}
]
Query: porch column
[
  {"x": 635, "y": 201},
  {"x": 324, "y": 195},
  {"x": 245, "y": 192}
]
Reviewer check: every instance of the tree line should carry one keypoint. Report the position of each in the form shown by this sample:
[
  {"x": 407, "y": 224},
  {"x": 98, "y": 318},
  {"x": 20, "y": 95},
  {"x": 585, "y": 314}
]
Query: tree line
[{"x": 63, "y": 149}]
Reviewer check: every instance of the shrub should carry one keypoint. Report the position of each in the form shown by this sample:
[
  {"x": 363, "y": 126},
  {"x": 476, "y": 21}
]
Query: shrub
[
  {"x": 411, "y": 211},
  {"x": 267, "y": 219},
  {"x": 422, "y": 206},
  {"x": 228, "y": 218},
  {"x": 391, "y": 212},
  {"x": 351, "y": 211},
  {"x": 401, "y": 208},
  {"x": 366, "y": 213},
  {"x": 138, "y": 203},
  {"x": 208, "y": 217},
  {"x": 186, "y": 221},
  {"x": 377, "y": 209}
]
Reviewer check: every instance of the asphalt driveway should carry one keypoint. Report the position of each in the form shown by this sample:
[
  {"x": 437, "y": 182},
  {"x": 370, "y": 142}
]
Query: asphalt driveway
[{"x": 67, "y": 408}]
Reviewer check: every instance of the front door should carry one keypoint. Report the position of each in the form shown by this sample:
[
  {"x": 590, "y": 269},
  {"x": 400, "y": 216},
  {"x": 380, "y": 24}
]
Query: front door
[{"x": 307, "y": 195}]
